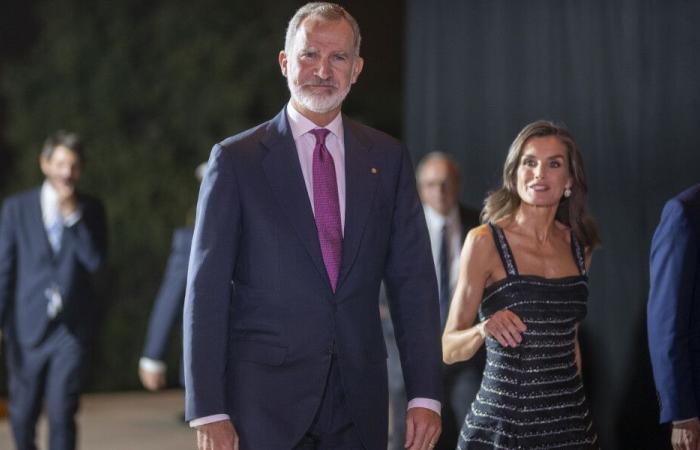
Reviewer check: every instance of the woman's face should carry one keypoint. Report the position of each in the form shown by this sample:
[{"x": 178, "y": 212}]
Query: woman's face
[{"x": 543, "y": 171}]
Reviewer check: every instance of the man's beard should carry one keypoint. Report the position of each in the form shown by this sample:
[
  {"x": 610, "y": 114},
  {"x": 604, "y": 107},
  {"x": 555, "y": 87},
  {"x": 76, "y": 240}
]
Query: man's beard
[{"x": 317, "y": 103}]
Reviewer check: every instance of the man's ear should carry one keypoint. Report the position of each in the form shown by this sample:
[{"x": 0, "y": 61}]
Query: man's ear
[
  {"x": 282, "y": 58},
  {"x": 357, "y": 68},
  {"x": 44, "y": 165}
]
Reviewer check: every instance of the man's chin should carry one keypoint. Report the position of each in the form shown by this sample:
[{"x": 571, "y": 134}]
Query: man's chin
[
  {"x": 319, "y": 106},
  {"x": 62, "y": 186}
]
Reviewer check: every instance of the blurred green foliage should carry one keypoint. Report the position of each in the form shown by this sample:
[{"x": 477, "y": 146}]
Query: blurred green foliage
[{"x": 150, "y": 86}]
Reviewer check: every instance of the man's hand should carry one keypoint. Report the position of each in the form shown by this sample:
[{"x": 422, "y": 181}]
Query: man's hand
[
  {"x": 217, "y": 436},
  {"x": 423, "y": 428},
  {"x": 152, "y": 380},
  {"x": 67, "y": 198},
  {"x": 686, "y": 435}
]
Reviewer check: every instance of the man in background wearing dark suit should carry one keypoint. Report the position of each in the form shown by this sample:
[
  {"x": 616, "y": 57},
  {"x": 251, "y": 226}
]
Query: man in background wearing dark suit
[
  {"x": 673, "y": 317},
  {"x": 438, "y": 177},
  {"x": 52, "y": 239},
  {"x": 168, "y": 306}
]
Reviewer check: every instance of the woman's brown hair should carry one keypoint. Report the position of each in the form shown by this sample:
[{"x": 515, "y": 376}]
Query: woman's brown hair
[{"x": 571, "y": 211}]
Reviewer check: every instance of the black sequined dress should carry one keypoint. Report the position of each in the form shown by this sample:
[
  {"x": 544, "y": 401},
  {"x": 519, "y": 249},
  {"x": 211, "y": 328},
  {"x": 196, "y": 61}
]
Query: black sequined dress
[{"x": 531, "y": 396}]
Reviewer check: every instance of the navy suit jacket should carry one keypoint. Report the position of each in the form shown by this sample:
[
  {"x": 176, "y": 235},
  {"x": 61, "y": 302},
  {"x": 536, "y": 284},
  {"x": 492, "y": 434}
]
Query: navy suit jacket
[
  {"x": 28, "y": 267},
  {"x": 673, "y": 312},
  {"x": 261, "y": 321},
  {"x": 171, "y": 295}
]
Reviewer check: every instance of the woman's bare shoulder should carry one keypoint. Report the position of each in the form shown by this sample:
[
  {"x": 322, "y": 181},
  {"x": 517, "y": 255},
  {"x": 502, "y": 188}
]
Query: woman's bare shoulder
[{"x": 480, "y": 242}]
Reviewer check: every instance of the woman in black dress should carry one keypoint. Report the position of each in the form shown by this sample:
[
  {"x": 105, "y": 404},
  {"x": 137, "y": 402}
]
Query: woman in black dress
[{"x": 525, "y": 272}]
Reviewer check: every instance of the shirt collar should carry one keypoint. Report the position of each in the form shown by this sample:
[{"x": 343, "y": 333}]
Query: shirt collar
[
  {"x": 437, "y": 220},
  {"x": 49, "y": 202},
  {"x": 300, "y": 125}
]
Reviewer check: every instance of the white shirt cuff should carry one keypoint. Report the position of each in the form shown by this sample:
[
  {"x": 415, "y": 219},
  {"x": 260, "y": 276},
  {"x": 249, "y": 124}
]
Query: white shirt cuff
[
  {"x": 678, "y": 422},
  {"x": 208, "y": 419},
  {"x": 152, "y": 365},
  {"x": 428, "y": 403}
]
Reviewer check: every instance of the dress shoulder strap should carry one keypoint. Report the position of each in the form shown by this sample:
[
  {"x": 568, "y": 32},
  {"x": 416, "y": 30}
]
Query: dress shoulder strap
[
  {"x": 504, "y": 250},
  {"x": 579, "y": 256}
]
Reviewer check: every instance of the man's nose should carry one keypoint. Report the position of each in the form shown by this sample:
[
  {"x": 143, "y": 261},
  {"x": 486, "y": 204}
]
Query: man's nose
[{"x": 323, "y": 70}]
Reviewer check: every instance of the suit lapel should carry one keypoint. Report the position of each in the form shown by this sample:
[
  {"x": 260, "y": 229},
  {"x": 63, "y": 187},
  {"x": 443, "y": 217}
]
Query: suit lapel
[
  {"x": 360, "y": 187},
  {"x": 283, "y": 172},
  {"x": 36, "y": 222}
]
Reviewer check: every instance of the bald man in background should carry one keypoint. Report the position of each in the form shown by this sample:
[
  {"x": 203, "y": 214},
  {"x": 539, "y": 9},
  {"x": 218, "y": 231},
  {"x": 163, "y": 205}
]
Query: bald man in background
[{"x": 438, "y": 178}]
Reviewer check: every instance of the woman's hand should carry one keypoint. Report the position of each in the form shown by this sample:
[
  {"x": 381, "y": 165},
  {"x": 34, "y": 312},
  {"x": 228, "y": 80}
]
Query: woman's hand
[{"x": 506, "y": 327}]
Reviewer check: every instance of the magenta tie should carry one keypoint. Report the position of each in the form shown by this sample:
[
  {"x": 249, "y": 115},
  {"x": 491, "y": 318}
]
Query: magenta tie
[{"x": 327, "y": 206}]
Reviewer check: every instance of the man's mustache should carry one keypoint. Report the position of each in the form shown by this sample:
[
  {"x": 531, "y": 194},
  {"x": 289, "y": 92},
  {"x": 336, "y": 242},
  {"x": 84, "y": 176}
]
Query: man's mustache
[{"x": 316, "y": 82}]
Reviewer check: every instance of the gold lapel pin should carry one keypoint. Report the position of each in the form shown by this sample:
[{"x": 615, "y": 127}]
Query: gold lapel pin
[{"x": 373, "y": 170}]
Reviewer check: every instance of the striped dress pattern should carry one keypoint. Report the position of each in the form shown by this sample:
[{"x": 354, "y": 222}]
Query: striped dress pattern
[{"x": 531, "y": 396}]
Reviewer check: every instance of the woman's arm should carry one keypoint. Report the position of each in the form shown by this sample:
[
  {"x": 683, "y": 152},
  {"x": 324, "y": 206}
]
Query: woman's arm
[{"x": 461, "y": 338}]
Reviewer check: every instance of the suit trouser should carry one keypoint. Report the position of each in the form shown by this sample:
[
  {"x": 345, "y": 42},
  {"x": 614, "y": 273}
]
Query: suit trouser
[
  {"x": 52, "y": 371},
  {"x": 332, "y": 427}
]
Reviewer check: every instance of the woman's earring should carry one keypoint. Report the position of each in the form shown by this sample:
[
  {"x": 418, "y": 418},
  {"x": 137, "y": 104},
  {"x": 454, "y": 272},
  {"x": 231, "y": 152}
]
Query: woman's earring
[{"x": 567, "y": 192}]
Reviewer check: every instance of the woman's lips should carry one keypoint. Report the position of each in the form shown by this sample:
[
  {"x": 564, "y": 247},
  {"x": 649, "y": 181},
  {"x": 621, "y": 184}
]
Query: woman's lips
[{"x": 539, "y": 187}]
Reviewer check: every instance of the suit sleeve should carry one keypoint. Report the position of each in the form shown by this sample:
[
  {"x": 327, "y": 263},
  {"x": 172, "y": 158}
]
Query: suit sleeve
[
  {"x": 90, "y": 236},
  {"x": 209, "y": 288},
  {"x": 412, "y": 291},
  {"x": 8, "y": 260},
  {"x": 171, "y": 295},
  {"x": 673, "y": 264}
]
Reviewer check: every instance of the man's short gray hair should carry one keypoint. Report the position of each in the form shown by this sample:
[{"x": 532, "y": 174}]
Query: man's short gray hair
[{"x": 326, "y": 11}]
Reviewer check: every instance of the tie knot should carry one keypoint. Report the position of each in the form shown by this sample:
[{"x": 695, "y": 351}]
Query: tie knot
[{"x": 320, "y": 134}]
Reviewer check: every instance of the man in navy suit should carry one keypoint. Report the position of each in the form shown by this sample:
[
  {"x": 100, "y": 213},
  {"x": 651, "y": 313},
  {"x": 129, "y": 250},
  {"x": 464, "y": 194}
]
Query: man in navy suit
[
  {"x": 673, "y": 316},
  {"x": 298, "y": 221},
  {"x": 52, "y": 239}
]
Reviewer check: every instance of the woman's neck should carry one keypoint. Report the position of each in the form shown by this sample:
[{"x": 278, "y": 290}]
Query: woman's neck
[{"x": 536, "y": 221}]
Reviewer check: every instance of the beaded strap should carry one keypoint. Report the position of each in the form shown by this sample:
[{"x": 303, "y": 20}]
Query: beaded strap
[
  {"x": 577, "y": 250},
  {"x": 504, "y": 250}
]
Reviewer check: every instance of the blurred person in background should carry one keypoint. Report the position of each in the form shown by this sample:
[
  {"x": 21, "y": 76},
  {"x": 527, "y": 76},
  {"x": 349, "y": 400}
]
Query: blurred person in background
[
  {"x": 439, "y": 180},
  {"x": 52, "y": 240},
  {"x": 167, "y": 309}
]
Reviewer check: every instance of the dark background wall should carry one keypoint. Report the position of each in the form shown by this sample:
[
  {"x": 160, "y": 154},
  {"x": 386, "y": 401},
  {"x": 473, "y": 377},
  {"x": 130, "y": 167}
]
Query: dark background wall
[{"x": 623, "y": 76}]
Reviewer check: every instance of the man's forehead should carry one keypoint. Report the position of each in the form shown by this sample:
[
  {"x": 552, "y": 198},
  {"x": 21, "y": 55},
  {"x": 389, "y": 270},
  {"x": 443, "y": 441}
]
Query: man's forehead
[
  {"x": 439, "y": 166},
  {"x": 63, "y": 152},
  {"x": 314, "y": 28}
]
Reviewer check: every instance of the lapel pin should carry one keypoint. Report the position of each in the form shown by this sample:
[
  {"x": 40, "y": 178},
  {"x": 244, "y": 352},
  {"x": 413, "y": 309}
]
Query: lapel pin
[{"x": 373, "y": 170}]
